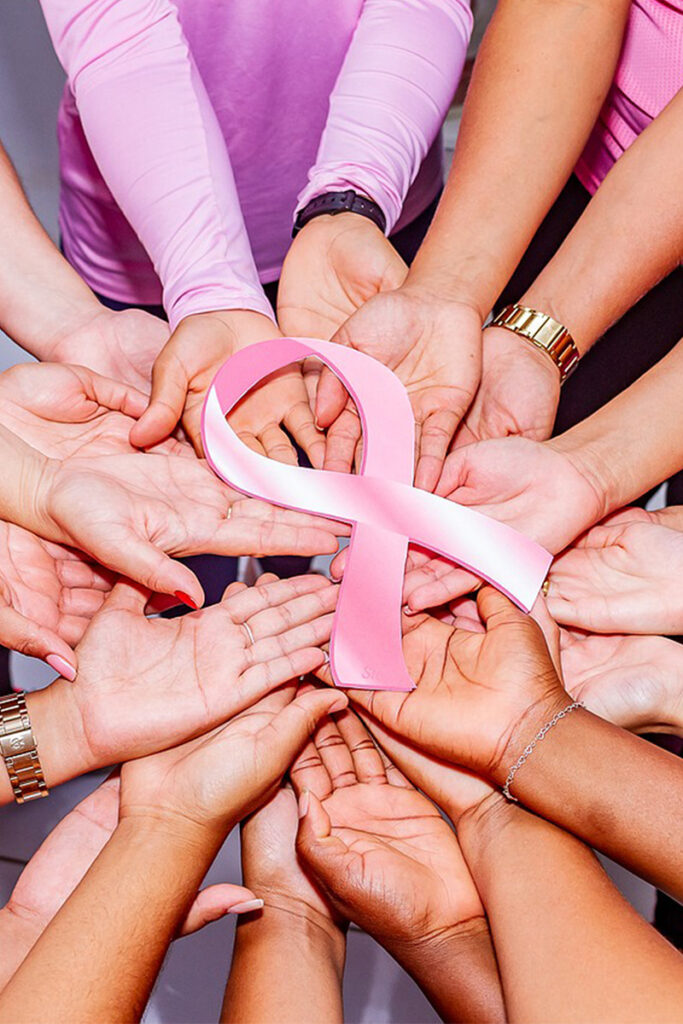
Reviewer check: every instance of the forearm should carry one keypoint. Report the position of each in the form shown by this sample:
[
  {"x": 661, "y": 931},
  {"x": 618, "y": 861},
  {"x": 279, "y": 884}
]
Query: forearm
[
  {"x": 629, "y": 237},
  {"x": 116, "y": 926},
  {"x": 540, "y": 79},
  {"x": 41, "y": 298},
  {"x": 614, "y": 790},
  {"x": 457, "y": 972},
  {"x": 154, "y": 134},
  {"x": 555, "y": 918},
  {"x": 635, "y": 441},
  {"x": 285, "y": 968},
  {"x": 390, "y": 99}
]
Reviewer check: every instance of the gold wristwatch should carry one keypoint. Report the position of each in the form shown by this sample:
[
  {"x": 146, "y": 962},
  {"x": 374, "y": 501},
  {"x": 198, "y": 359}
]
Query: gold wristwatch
[
  {"x": 18, "y": 749},
  {"x": 544, "y": 332}
]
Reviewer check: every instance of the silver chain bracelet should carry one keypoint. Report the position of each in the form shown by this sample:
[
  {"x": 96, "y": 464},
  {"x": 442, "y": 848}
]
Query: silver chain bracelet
[{"x": 528, "y": 750}]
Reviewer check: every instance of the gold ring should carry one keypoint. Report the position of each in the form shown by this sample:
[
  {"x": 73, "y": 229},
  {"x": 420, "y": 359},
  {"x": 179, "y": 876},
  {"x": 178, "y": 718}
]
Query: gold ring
[{"x": 546, "y": 586}]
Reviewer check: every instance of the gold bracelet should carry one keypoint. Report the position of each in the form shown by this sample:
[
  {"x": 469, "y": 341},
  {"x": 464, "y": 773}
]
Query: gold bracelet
[
  {"x": 543, "y": 332},
  {"x": 19, "y": 751}
]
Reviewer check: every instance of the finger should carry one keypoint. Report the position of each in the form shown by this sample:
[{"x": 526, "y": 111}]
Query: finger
[
  {"x": 335, "y": 754},
  {"x": 296, "y": 612},
  {"x": 72, "y": 628},
  {"x": 265, "y": 578},
  {"x": 435, "y": 583},
  {"x": 300, "y": 423},
  {"x": 384, "y": 705},
  {"x": 315, "y": 844},
  {"x": 342, "y": 439},
  {"x": 21, "y": 634},
  {"x": 215, "y": 902},
  {"x": 127, "y": 596},
  {"x": 236, "y": 536},
  {"x": 338, "y": 564},
  {"x": 166, "y": 403},
  {"x": 252, "y": 600},
  {"x": 251, "y": 441},
  {"x": 263, "y": 677},
  {"x": 139, "y": 560},
  {"x": 310, "y": 634},
  {"x": 287, "y": 732},
  {"x": 330, "y": 399},
  {"x": 394, "y": 775},
  {"x": 277, "y": 445},
  {"x": 76, "y": 573},
  {"x": 496, "y": 609},
  {"x": 309, "y": 772},
  {"x": 232, "y": 589},
  {"x": 115, "y": 395},
  {"x": 435, "y": 439},
  {"x": 367, "y": 760},
  {"x": 550, "y": 630},
  {"x": 81, "y": 602}
]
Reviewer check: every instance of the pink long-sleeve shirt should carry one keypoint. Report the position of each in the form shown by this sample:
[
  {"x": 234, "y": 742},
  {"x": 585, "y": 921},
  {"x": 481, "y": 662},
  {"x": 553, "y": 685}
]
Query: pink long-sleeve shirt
[
  {"x": 190, "y": 132},
  {"x": 648, "y": 76}
]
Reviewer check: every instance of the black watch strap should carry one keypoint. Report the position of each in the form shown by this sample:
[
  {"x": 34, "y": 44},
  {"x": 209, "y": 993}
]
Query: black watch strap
[{"x": 340, "y": 202}]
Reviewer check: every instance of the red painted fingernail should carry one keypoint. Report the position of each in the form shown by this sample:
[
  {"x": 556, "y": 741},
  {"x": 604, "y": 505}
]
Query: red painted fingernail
[{"x": 186, "y": 599}]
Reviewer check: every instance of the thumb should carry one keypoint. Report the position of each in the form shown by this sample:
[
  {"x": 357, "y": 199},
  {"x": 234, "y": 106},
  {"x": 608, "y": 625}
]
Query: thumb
[
  {"x": 215, "y": 902},
  {"x": 495, "y": 609},
  {"x": 330, "y": 399},
  {"x": 21, "y": 634},
  {"x": 166, "y": 403},
  {"x": 322, "y": 852},
  {"x": 291, "y": 727},
  {"x": 138, "y": 559},
  {"x": 127, "y": 596}
]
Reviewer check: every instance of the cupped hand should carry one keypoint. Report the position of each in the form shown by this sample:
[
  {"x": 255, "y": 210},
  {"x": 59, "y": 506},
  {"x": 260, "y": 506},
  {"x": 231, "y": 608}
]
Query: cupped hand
[
  {"x": 633, "y": 681},
  {"x": 121, "y": 345},
  {"x": 271, "y": 867},
  {"x": 478, "y": 695},
  {"x": 185, "y": 370},
  {"x": 48, "y": 595},
  {"x": 380, "y": 849},
  {"x": 132, "y": 512},
  {"x": 206, "y": 786},
  {"x": 518, "y": 394},
  {"x": 334, "y": 265},
  {"x": 620, "y": 577},
  {"x": 59, "y": 865},
  {"x": 529, "y": 485},
  {"x": 69, "y": 410},
  {"x": 434, "y": 347},
  {"x": 145, "y": 684}
]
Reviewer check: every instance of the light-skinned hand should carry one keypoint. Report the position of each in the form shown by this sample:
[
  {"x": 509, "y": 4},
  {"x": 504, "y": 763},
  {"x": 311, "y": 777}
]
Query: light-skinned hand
[
  {"x": 132, "y": 513},
  {"x": 380, "y": 849},
  {"x": 434, "y": 347},
  {"x": 145, "y": 684},
  {"x": 620, "y": 577},
  {"x": 634, "y": 681},
  {"x": 529, "y": 485},
  {"x": 61, "y": 862}
]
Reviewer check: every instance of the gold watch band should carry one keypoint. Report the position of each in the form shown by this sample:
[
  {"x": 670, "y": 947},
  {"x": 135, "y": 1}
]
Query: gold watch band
[
  {"x": 544, "y": 332},
  {"x": 18, "y": 749}
]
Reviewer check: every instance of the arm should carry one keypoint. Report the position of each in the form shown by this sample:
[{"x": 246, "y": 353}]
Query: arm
[
  {"x": 288, "y": 961},
  {"x": 562, "y": 920},
  {"x": 171, "y": 825}
]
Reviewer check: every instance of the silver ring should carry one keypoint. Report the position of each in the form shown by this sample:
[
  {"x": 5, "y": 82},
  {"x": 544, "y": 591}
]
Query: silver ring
[
  {"x": 250, "y": 635},
  {"x": 229, "y": 512}
]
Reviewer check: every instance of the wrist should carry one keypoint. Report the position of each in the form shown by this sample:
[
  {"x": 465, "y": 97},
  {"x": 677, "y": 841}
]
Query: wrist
[
  {"x": 238, "y": 327},
  {"x": 556, "y": 306},
  {"x": 511, "y": 350},
  {"x": 525, "y": 729},
  {"x": 594, "y": 467},
  {"x": 291, "y": 921},
  {"x": 436, "y": 284}
]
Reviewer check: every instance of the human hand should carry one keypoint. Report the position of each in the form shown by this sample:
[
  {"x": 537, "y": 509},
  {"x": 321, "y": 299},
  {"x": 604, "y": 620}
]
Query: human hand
[
  {"x": 120, "y": 345},
  {"x": 434, "y": 347},
  {"x": 379, "y": 849},
  {"x": 65, "y": 410},
  {"x": 204, "y": 787},
  {"x": 479, "y": 695},
  {"x": 48, "y": 595},
  {"x": 186, "y": 367},
  {"x": 146, "y": 684},
  {"x": 620, "y": 577},
  {"x": 534, "y": 487},
  {"x": 143, "y": 508},
  {"x": 633, "y": 681},
  {"x": 334, "y": 265},
  {"x": 518, "y": 394},
  {"x": 61, "y": 862}
]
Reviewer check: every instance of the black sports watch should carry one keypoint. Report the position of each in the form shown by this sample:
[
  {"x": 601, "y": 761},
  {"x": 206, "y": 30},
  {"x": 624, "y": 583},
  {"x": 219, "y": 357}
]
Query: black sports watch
[{"x": 340, "y": 202}]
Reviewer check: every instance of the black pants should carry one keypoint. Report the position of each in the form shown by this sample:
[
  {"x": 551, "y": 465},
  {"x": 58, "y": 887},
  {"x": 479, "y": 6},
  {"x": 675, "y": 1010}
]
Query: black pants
[{"x": 635, "y": 343}]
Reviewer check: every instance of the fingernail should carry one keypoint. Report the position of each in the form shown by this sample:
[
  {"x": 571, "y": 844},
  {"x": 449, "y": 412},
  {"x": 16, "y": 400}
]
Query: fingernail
[
  {"x": 407, "y": 610},
  {"x": 186, "y": 599},
  {"x": 303, "y": 803},
  {"x": 334, "y": 577},
  {"x": 244, "y": 908},
  {"x": 326, "y": 656},
  {"x": 340, "y": 704},
  {"x": 62, "y": 666}
]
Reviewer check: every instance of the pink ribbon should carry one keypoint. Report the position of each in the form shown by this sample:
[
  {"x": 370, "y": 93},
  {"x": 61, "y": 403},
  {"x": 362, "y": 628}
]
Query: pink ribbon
[{"x": 385, "y": 510}]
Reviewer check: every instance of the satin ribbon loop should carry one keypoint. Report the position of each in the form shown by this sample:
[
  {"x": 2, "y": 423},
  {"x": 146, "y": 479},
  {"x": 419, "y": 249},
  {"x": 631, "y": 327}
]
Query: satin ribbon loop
[{"x": 384, "y": 509}]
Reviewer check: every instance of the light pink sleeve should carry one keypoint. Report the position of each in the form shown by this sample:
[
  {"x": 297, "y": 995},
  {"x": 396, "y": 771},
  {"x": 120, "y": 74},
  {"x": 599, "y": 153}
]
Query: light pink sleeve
[
  {"x": 154, "y": 134},
  {"x": 390, "y": 99}
]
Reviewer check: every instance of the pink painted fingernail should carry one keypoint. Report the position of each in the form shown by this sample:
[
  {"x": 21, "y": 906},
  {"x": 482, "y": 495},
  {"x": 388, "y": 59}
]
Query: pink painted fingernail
[
  {"x": 304, "y": 800},
  {"x": 61, "y": 666},
  {"x": 244, "y": 908}
]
